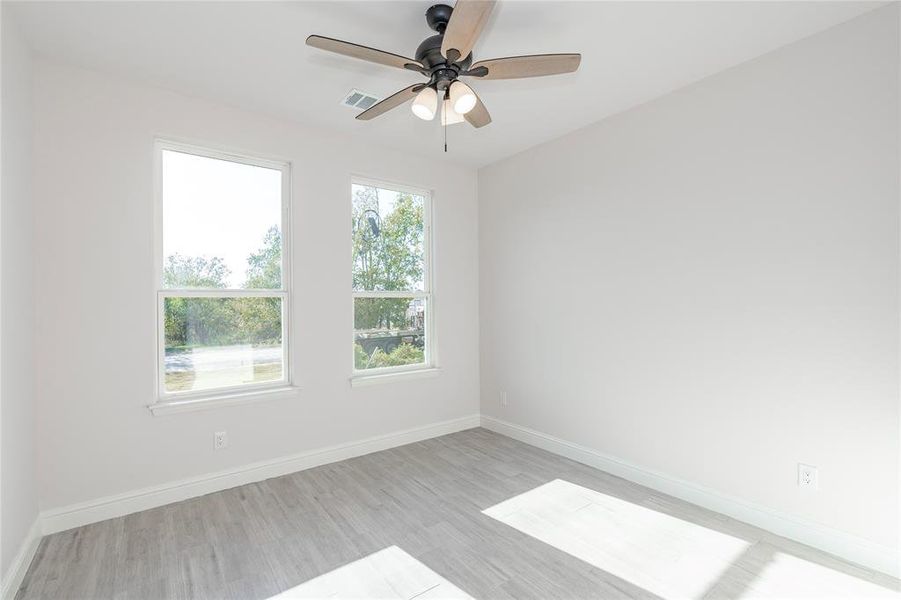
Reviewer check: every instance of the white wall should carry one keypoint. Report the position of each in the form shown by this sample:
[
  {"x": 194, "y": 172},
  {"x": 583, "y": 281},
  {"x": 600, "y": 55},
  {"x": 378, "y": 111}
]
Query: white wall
[
  {"x": 18, "y": 491},
  {"x": 707, "y": 285},
  {"x": 96, "y": 300}
]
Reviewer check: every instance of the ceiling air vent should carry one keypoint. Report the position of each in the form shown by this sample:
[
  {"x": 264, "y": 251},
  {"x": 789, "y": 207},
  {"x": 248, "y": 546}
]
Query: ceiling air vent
[{"x": 358, "y": 99}]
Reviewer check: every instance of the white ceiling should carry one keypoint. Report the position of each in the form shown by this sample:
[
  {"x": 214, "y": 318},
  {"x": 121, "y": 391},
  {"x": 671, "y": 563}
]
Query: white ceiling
[{"x": 252, "y": 55}]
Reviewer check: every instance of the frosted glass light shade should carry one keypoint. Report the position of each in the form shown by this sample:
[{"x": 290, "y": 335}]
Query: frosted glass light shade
[
  {"x": 463, "y": 99},
  {"x": 425, "y": 104},
  {"x": 448, "y": 115}
]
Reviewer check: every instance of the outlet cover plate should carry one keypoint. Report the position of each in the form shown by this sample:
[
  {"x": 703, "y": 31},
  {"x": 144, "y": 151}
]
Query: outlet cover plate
[{"x": 808, "y": 477}]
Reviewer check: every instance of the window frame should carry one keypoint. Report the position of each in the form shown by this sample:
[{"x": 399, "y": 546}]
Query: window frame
[
  {"x": 226, "y": 394},
  {"x": 429, "y": 365}
]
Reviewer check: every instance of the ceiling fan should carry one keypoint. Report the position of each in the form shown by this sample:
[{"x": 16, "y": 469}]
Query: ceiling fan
[{"x": 446, "y": 57}]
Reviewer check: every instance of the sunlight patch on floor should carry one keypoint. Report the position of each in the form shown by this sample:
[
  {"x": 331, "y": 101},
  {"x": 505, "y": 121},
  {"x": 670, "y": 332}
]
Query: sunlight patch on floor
[
  {"x": 389, "y": 573},
  {"x": 787, "y": 576},
  {"x": 664, "y": 555}
]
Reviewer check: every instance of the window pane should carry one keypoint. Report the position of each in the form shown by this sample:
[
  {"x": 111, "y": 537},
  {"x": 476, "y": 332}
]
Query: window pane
[
  {"x": 389, "y": 332},
  {"x": 221, "y": 223},
  {"x": 221, "y": 342},
  {"x": 387, "y": 240}
]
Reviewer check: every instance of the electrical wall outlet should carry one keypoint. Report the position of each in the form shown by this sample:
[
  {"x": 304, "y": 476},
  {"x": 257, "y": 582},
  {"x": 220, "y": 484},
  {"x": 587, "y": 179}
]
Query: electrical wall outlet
[
  {"x": 503, "y": 398},
  {"x": 220, "y": 440},
  {"x": 808, "y": 477}
]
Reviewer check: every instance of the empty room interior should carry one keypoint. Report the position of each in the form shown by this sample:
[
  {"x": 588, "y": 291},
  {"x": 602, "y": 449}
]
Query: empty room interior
[{"x": 474, "y": 300}]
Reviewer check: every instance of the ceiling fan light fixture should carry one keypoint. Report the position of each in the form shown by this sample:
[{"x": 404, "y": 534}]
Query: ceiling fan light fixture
[
  {"x": 448, "y": 115},
  {"x": 442, "y": 59},
  {"x": 462, "y": 97},
  {"x": 426, "y": 104}
]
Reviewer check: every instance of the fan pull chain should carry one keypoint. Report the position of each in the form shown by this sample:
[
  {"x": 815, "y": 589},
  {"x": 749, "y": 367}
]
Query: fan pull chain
[{"x": 444, "y": 115}]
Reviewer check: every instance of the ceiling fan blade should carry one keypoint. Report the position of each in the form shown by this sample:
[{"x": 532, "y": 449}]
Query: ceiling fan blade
[
  {"x": 363, "y": 53},
  {"x": 517, "y": 67},
  {"x": 464, "y": 27},
  {"x": 478, "y": 116},
  {"x": 392, "y": 101}
]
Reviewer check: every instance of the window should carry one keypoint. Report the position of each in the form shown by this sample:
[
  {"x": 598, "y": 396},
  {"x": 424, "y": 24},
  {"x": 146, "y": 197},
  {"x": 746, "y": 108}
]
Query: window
[
  {"x": 391, "y": 278},
  {"x": 222, "y": 273}
]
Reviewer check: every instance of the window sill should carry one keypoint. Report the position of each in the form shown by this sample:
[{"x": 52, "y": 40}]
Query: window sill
[
  {"x": 375, "y": 379},
  {"x": 208, "y": 402}
]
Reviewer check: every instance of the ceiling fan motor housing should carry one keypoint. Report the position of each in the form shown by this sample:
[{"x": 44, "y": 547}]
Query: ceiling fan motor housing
[{"x": 429, "y": 51}]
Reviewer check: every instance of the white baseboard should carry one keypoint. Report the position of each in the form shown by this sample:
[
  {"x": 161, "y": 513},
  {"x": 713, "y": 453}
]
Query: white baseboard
[
  {"x": 14, "y": 575},
  {"x": 76, "y": 515},
  {"x": 834, "y": 541}
]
